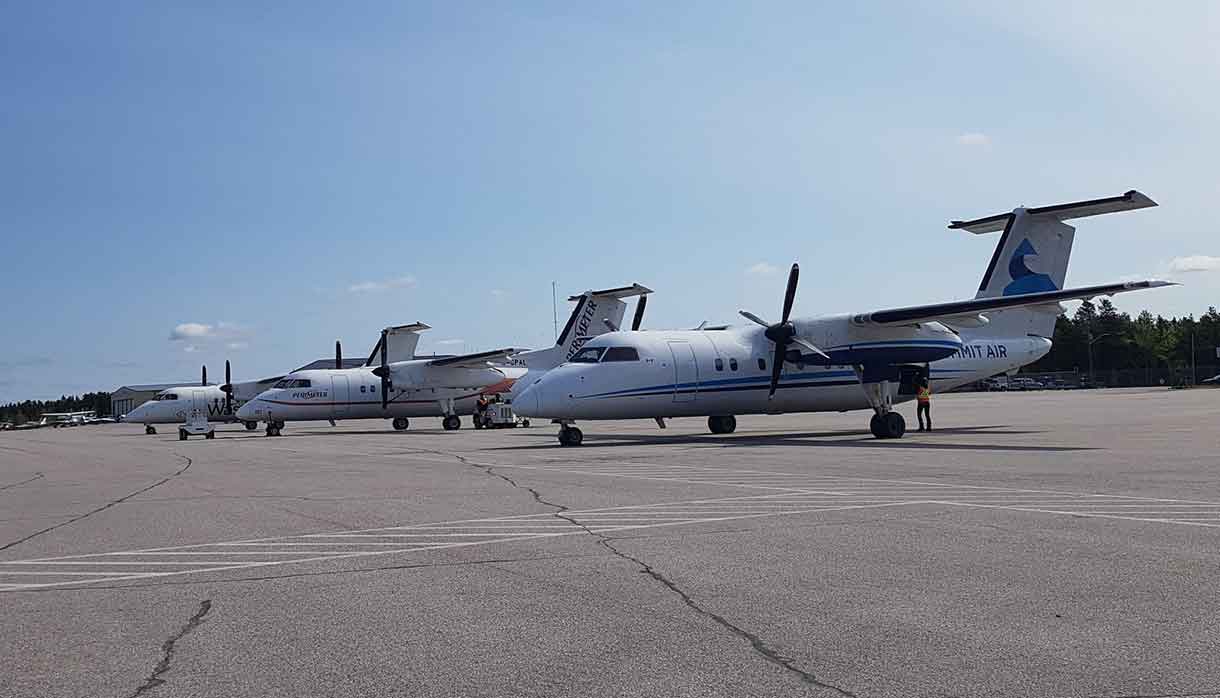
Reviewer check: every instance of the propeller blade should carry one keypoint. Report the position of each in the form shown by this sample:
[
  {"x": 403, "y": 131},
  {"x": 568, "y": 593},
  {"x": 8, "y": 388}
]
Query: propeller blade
[
  {"x": 777, "y": 366},
  {"x": 639, "y": 312},
  {"x": 790, "y": 293},
  {"x": 338, "y": 354},
  {"x": 385, "y": 373},
  {"x": 754, "y": 318},
  {"x": 228, "y": 388},
  {"x": 204, "y": 380},
  {"x": 610, "y": 325},
  {"x": 811, "y": 347}
]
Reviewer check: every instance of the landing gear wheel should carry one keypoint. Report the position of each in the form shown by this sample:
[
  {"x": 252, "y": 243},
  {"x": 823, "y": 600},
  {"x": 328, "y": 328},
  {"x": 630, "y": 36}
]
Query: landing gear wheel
[
  {"x": 895, "y": 425},
  {"x": 210, "y": 435},
  {"x": 525, "y": 423},
  {"x": 875, "y": 425},
  {"x": 726, "y": 424},
  {"x": 150, "y": 429},
  {"x": 182, "y": 434},
  {"x": 273, "y": 428},
  {"x": 401, "y": 424},
  {"x": 251, "y": 426},
  {"x": 452, "y": 423},
  {"x": 571, "y": 436}
]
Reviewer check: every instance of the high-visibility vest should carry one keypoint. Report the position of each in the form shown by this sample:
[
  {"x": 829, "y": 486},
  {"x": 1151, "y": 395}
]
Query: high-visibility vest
[{"x": 924, "y": 394}]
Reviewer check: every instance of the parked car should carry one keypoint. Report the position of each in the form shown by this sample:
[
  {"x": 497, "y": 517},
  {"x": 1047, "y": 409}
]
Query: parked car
[
  {"x": 1022, "y": 383},
  {"x": 996, "y": 383}
]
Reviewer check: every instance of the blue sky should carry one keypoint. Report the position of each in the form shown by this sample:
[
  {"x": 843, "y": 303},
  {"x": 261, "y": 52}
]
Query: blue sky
[{"x": 182, "y": 185}]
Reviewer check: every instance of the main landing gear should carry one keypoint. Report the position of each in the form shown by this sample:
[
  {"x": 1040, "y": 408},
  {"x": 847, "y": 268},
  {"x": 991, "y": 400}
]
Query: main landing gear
[
  {"x": 150, "y": 429},
  {"x": 401, "y": 424},
  {"x": 251, "y": 426},
  {"x": 726, "y": 424},
  {"x": 451, "y": 423},
  {"x": 879, "y": 389},
  {"x": 570, "y": 435},
  {"x": 273, "y": 428}
]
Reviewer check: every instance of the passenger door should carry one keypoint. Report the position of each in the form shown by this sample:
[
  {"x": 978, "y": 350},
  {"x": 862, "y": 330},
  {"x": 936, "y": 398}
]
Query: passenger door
[
  {"x": 340, "y": 396},
  {"x": 686, "y": 371}
]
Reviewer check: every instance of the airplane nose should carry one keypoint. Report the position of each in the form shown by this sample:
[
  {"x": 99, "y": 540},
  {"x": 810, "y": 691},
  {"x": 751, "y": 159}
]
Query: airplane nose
[
  {"x": 529, "y": 402},
  {"x": 249, "y": 411}
]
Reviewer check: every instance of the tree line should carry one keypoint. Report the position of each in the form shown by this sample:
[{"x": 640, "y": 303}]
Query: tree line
[
  {"x": 1144, "y": 350},
  {"x": 32, "y": 410}
]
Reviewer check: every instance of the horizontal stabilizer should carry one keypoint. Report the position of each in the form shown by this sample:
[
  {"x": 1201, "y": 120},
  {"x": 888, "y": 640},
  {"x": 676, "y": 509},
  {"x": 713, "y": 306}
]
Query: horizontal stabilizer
[
  {"x": 1130, "y": 201},
  {"x": 957, "y": 309},
  {"x": 620, "y": 292},
  {"x": 475, "y": 360}
]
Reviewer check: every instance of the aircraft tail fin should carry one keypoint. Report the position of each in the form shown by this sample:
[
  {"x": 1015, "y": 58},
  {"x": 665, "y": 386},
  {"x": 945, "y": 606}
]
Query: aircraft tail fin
[
  {"x": 595, "y": 313},
  {"x": 401, "y": 341},
  {"x": 1032, "y": 256}
]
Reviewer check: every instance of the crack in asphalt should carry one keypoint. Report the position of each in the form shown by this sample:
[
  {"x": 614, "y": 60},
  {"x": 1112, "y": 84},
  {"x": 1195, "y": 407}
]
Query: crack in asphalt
[
  {"x": 167, "y": 649},
  {"x": 104, "y": 507},
  {"x": 757, "y": 643},
  {"x": 18, "y": 484}
]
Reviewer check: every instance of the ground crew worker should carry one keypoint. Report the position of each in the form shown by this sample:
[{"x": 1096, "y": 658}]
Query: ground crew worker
[
  {"x": 923, "y": 395},
  {"x": 480, "y": 410}
]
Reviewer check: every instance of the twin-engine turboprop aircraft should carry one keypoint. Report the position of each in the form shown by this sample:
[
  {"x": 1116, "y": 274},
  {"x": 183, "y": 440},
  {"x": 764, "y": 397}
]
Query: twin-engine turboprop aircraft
[
  {"x": 393, "y": 384},
  {"x": 174, "y": 405},
  {"x": 837, "y": 363}
]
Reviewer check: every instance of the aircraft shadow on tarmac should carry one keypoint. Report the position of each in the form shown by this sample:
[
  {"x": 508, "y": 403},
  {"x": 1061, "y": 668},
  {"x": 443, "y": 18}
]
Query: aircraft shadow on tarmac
[{"x": 820, "y": 438}]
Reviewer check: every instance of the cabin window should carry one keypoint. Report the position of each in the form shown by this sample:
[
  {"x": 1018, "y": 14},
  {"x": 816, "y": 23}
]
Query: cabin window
[
  {"x": 719, "y": 364},
  {"x": 732, "y": 364},
  {"x": 762, "y": 364},
  {"x": 362, "y": 389},
  {"x": 621, "y": 354},
  {"x": 590, "y": 355}
]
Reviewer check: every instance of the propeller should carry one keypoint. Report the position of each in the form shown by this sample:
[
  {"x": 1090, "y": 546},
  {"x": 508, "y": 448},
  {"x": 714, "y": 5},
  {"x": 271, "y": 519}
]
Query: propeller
[
  {"x": 204, "y": 380},
  {"x": 639, "y": 312},
  {"x": 338, "y": 354},
  {"x": 227, "y": 388},
  {"x": 783, "y": 333},
  {"x": 383, "y": 371}
]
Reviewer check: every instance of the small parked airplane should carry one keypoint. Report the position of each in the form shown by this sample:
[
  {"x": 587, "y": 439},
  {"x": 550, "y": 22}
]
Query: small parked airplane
[
  {"x": 174, "y": 405},
  {"x": 393, "y": 384},
  {"x": 837, "y": 363}
]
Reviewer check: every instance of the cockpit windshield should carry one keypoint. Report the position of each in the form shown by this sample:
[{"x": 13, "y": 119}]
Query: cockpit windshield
[
  {"x": 294, "y": 383},
  {"x": 588, "y": 355},
  {"x": 166, "y": 396},
  {"x": 621, "y": 354}
]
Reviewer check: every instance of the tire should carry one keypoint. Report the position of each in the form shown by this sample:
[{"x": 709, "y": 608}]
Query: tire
[
  {"x": 895, "y": 425},
  {"x": 401, "y": 424},
  {"x": 251, "y": 426},
  {"x": 571, "y": 436},
  {"x": 714, "y": 425},
  {"x": 150, "y": 429},
  {"x": 729, "y": 423},
  {"x": 210, "y": 435},
  {"x": 876, "y": 426},
  {"x": 182, "y": 434},
  {"x": 525, "y": 423},
  {"x": 452, "y": 423}
]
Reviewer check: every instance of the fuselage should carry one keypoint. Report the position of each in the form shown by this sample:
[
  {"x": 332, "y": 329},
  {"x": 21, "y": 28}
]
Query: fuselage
[
  {"x": 355, "y": 393},
  {"x": 173, "y": 406},
  {"x": 627, "y": 375}
]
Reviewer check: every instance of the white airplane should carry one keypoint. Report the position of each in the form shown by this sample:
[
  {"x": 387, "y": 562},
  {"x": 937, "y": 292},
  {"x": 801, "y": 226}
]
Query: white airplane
[
  {"x": 174, "y": 405},
  {"x": 837, "y": 363},
  {"x": 393, "y": 384}
]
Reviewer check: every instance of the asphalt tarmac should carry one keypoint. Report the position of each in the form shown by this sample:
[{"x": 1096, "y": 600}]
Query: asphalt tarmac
[{"x": 1038, "y": 544}]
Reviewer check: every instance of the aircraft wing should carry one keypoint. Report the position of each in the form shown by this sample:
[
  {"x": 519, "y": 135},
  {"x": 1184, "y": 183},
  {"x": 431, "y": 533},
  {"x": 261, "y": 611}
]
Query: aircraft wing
[
  {"x": 477, "y": 360},
  {"x": 966, "y": 313}
]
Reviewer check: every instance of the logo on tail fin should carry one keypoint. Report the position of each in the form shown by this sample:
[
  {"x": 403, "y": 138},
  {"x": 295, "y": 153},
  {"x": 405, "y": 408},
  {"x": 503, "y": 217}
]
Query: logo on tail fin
[{"x": 1024, "y": 279}]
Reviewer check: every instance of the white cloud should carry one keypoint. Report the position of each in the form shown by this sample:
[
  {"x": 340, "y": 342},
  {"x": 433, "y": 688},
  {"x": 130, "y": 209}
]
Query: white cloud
[
  {"x": 762, "y": 269},
  {"x": 371, "y": 286},
  {"x": 451, "y": 341},
  {"x": 190, "y": 330},
  {"x": 236, "y": 346},
  {"x": 1198, "y": 262},
  {"x": 190, "y": 349},
  {"x": 974, "y": 139}
]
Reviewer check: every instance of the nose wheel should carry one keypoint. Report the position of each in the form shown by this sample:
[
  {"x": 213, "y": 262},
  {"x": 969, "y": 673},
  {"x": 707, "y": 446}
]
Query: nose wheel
[
  {"x": 570, "y": 436},
  {"x": 150, "y": 429},
  {"x": 273, "y": 428},
  {"x": 722, "y": 425},
  {"x": 401, "y": 424},
  {"x": 251, "y": 426}
]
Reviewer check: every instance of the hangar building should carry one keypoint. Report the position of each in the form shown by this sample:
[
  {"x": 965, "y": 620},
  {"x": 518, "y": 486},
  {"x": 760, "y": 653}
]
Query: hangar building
[{"x": 129, "y": 397}]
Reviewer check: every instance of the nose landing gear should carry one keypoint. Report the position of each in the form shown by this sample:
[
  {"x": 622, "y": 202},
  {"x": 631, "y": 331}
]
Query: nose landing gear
[
  {"x": 879, "y": 389},
  {"x": 570, "y": 435},
  {"x": 150, "y": 429},
  {"x": 273, "y": 428},
  {"x": 726, "y": 424},
  {"x": 401, "y": 423}
]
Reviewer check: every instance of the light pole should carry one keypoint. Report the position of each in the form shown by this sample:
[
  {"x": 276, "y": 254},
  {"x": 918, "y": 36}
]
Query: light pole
[{"x": 1093, "y": 340}]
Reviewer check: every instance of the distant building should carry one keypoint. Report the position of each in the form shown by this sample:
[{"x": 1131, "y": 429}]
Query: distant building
[{"x": 129, "y": 397}]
